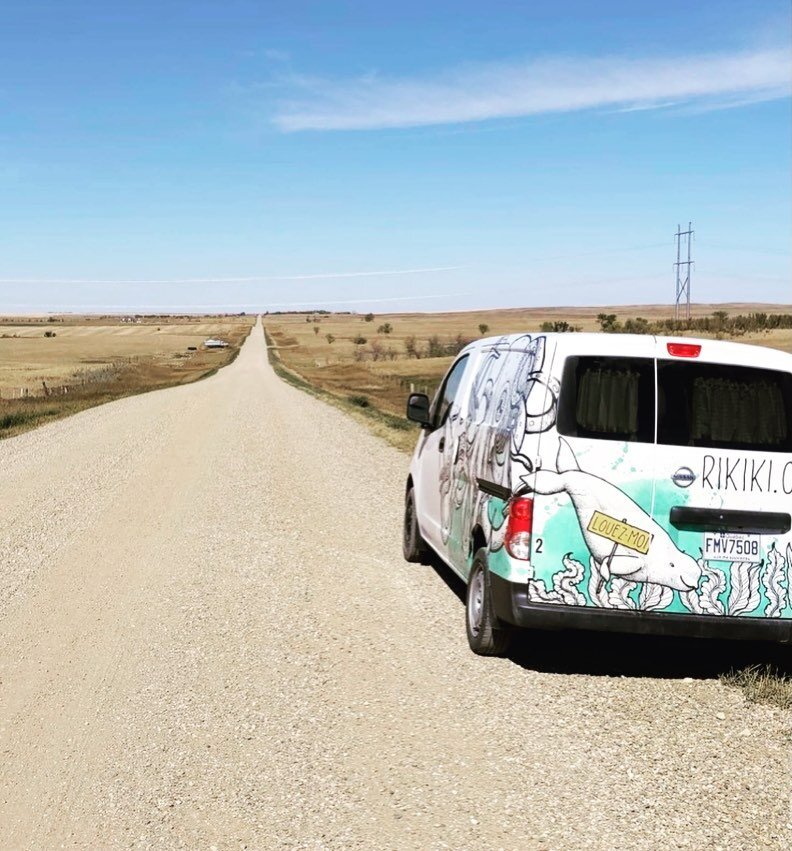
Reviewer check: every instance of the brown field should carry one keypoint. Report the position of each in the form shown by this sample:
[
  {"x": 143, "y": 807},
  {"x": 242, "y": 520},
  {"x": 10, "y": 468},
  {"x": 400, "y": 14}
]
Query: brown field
[
  {"x": 376, "y": 390},
  {"x": 91, "y": 360}
]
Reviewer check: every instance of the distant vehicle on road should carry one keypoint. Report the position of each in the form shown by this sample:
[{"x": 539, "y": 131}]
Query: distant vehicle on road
[
  {"x": 215, "y": 344},
  {"x": 611, "y": 482}
]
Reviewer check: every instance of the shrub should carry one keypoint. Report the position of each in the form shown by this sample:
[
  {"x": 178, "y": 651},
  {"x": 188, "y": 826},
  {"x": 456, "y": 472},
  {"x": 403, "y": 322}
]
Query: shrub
[
  {"x": 385, "y": 328},
  {"x": 608, "y": 322},
  {"x": 369, "y": 317},
  {"x": 10, "y": 420},
  {"x": 330, "y": 338},
  {"x": 50, "y": 334},
  {"x": 483, "y": 328},
  {"x": 316, "y": 329},
  {"x": 558, "y": 327},
  {"x": 639, "y": 325},
  {"x": 359, "y": 340},
  {"x": 359, "y": 401},
  {"x": 411, "y": 347}
]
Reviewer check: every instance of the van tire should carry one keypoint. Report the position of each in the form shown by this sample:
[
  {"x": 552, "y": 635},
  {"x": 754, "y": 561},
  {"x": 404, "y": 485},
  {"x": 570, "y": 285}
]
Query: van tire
[
  {"x": 414, "y": 547},
  {"x": 487, "y": 636}
]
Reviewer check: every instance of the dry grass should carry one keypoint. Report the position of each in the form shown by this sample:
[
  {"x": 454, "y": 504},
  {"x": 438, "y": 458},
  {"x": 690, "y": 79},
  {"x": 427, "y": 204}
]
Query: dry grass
[
  {"x": 762, "y": 684},
  {"x": 386, "y": 383},
  {"x": 396, "y": 430},
  {"x": 99, "y": 362},
  {"x": 85, "y": 345}
]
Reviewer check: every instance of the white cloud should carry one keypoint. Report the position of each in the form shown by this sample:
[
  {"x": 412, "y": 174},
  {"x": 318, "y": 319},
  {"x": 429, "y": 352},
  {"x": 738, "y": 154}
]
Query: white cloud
[
  {"x": 514, "y": 89},
  {"x": 317, "y": 276}
]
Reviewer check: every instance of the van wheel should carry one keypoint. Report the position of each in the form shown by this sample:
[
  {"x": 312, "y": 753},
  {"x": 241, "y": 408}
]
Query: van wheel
[
  {"x": 486, "y": 635},
  {"x": 414, "y": 547}
]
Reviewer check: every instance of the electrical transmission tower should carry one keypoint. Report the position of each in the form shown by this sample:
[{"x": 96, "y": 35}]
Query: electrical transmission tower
[{"x": 683, "y": 268}]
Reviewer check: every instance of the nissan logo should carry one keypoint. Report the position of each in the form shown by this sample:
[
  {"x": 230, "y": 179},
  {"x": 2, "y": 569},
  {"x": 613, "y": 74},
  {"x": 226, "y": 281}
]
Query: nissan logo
[{"x": 684, "y": 477}]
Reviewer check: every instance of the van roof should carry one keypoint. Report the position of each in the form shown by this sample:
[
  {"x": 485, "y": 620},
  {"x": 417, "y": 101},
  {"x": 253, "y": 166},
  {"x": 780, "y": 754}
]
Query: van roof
[{"x": 643, "y": 345}]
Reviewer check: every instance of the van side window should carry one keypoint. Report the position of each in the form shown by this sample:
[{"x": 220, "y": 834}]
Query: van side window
[
  {"x": 445, "y": 398},
  {"x": 609, "y": 398}
]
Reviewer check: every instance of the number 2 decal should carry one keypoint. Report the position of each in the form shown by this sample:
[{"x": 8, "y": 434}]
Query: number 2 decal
[{"x": 539, "y": 544}]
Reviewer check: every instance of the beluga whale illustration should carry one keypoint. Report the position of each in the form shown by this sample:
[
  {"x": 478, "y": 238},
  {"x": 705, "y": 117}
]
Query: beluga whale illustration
[{"x": 621, "y": 537}]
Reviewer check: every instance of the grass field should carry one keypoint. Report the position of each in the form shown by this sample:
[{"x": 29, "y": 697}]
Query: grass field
[
  {"x": 91, "y": 360},
  {"x": 373, "y": 378}
]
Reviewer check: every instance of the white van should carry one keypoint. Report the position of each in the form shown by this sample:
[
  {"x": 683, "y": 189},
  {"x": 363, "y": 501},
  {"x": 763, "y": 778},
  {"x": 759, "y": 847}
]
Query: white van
[{"x": 613, "y": 482}]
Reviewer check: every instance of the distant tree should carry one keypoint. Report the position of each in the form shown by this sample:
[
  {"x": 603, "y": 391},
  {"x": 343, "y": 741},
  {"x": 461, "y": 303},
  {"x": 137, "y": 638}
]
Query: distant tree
[
  {"x": 483, "y": 328},
  {"x": 330, "y": 338},
  {"x": 608, "y": 322},
  {"x": 639, "y": 325},
  {"x": 411, "y": 347},
  {"x": 385, "y": 328},
  {"x": 369, "y": 317},
  {"x": 359, "y": 340}
]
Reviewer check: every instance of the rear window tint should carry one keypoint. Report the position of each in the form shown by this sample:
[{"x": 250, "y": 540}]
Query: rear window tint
[
  {"x": 715, "y": 406},
  {"x": 607, "y": 398},
  {"x": 721, "y": 406}
]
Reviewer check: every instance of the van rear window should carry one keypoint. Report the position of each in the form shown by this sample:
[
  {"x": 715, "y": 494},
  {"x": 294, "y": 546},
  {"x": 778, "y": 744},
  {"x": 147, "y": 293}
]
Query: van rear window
[
  {"x": 721, "y": 406},
  {"x": 718, "y": 406},
  {"x": 607, "y": 398}
]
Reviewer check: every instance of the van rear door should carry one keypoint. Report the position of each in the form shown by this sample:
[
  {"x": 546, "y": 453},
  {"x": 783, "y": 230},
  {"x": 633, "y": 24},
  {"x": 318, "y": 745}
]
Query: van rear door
[
  {"x": 723, "y": 467},
  {"x": 592, "y": 521}
]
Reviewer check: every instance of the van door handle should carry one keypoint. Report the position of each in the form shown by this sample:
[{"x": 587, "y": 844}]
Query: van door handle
[{"x": 441, "y": 444}]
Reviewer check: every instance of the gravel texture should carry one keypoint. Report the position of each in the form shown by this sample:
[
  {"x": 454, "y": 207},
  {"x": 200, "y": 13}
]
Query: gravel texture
[{"x": 208, "y": 639}]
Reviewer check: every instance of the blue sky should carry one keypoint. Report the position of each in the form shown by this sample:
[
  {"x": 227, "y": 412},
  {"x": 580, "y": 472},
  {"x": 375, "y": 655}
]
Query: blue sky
[{"x": 243, "y": 155}]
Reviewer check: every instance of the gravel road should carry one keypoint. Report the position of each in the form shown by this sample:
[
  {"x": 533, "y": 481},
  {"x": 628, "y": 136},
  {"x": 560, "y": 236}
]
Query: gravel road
[{"x": 208, "y": 639}]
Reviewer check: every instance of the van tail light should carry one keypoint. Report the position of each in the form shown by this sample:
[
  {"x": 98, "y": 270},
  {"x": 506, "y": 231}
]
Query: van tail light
[
  {"x": 684, "y": 350},
  {"x": 519, "y": 527}
]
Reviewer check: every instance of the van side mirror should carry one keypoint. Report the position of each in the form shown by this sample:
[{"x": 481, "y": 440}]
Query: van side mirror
[{"x": 418, "y": 409}]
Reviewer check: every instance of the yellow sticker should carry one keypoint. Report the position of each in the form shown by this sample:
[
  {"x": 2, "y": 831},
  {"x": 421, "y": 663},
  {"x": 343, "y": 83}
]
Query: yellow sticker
[{"x": 620, "y": 532}]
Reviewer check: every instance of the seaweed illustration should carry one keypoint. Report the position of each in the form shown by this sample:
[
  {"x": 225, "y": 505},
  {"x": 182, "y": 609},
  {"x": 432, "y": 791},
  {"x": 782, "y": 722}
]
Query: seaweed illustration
[
  {"x": 597, "y": 589},
  {"x": 744, "y": 584},
  {"x": 565, "y": 583},
  {"x": 773, "y": 580},
  {"x": 713, "y": 585},
  {"x": 653, "y": 597},
  {"x": 744, "y": 595},
  {"x": 705, "y": 600},
  {"x": 619, "y": 596}
]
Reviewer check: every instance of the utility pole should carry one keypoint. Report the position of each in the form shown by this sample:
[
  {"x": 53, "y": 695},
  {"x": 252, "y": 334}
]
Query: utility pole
[{"x": 683, "y": 276}]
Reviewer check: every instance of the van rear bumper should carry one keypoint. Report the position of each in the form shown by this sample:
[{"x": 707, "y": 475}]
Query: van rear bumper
[{"x": 511, "y": 604}]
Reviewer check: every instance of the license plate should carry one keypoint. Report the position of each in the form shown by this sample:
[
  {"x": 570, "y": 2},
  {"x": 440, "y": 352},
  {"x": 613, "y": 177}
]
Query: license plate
[{"x": 732, "y": 546}]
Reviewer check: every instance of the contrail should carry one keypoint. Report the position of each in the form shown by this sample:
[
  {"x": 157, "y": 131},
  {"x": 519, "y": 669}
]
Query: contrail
[
  {"x": 250, "y": 279},
  {"x": 248, "y": 306}
]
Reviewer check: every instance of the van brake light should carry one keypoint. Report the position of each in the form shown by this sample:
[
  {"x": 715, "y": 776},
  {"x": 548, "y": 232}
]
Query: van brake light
[
  {"x": 519, "y": 528},
  {"x": 684, "y": 350}
]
